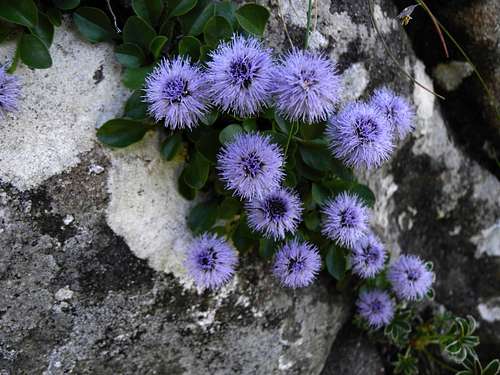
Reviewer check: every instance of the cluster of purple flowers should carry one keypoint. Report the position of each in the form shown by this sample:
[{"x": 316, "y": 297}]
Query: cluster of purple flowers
[
  {"x": 10, "y": 92},
  {"x": 243, "y": 78}
]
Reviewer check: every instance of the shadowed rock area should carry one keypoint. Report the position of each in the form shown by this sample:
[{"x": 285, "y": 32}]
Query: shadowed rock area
[{"x": 91, "y": 276}]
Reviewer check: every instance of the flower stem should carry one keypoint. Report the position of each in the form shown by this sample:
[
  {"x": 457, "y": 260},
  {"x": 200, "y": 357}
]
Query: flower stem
[
  {"x": 290, "y": 132},
  {"x": 308, "y": 27},
  {"x": 391, "y": 56}
]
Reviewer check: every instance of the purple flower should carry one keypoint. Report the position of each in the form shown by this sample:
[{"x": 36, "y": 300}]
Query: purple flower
[
  {"x": 10, "y": 92},
  {"x": 275, "y": 214},
  {"x": 376, "y": 307},
  {"x": 241, "y": 76},
  {"x": 410, "y": 277},
  {"x": 177, "y": 93},
  {"x": 368, "y": 256},
  {"x": 251, "y": 165},
  {"x": 297, "y": 264},
  {"x": 307, "y": 87},
  {"x": 345, "y": 219},
  {"x": 210, "y": 261},
  {"x": 360, "y": 136},
  {"x": 397, "y": 111}
]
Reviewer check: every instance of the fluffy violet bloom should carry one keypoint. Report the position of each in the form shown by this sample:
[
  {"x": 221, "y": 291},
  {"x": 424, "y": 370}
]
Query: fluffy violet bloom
[
  {"x": 275, "y": 214},
  {"x": 360, "y": 136},
  {"x": 410, "y": 278},
  {"x": 10, "y": 92},
  {"x": 397, "y": 111},
  {"x": 177, "y": 93},
  {"x": 345, "y": 219},
  {"x": 210, "y": 261},
  {"x": 376, "y": 307},
  {"x": 297, "y": 264},
  {"x": 368, "y": 256},
  {"x": 307, "y": 87},
  {"x": 251, "y": 165},
  {"x": 241, "y": 75}
]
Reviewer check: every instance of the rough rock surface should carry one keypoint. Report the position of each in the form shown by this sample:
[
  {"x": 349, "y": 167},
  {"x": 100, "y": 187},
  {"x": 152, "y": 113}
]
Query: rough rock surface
[
  {"x": 90, "y": 276},
  {"x": 91, "y": 280}
]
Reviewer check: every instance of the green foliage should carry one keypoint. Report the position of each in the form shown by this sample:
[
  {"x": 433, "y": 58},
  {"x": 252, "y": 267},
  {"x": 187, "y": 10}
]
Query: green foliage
[
  {"x": 21, "y": 12},
  {"x": 253, "y": 18},
  {"x": 33, "y": 52},
  {"x": 93, "y": 24},
  {"x": 122, "y": 132}
]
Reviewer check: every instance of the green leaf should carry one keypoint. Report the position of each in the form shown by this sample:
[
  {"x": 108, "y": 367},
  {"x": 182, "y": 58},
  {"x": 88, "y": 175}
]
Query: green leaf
[
  {"x": 121, "y": 132},
  {"x": 44, "y": 29},
  {"x": 202, "y": 217},
  {"x": 186, "y": 191},
  {"x": 283, "y": 125},
  {"x": 229, "y": 132},
  {"x": 216, "y": 29},
  {"x": 157, "y": 45},
  {"x": 196, "y": 172},
  {"x": 316, "y": 156},
  {"x": 137, "y": 31},
  {"x": 22, "y": 12},
  {"x": 130, "y": 55},
  {"x": 135, "y": 107},
  {"x": 133, "y": 78},
  {"x": 210, "y": 118},
  {"x": 194, "y": 21},
  {"x": 208, "y": 145},
  {"x": 227, "y": 9},
  {"x": 34, "y": 52},
  {"x": 336, "y": 262},
  {"x": 183, "y": 7},
  {"x": 319, "y": 193},
  {"x": 171, "y": 146},
  {"x": 149, "y": 10},
  {"x": 93, "y": 24},
  {"x": 66, "y": 4},
  {"x": 229, "y": 208},
  {"x": 253, "y": 18},
  {"x": 249, "y": 124},
  {"x": 312, "y": 221},
  {"x": 266, "y": 247},
  {"x": 243, "y": 238},
  {"x": 54, "y": 15},
  {"x": 190, "y": 46},
  {"x": 493, "y": 368}
]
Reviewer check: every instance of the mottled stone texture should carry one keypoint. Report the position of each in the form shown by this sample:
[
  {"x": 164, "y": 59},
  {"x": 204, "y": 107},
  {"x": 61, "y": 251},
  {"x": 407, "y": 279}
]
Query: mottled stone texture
[{"x": 90, "y": 275}]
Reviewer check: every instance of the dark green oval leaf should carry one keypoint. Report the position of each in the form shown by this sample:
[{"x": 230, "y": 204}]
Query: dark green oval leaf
[
  {"x": 22, "y": 12},
  {"x": 229, "y": 132},
  {"x": 190, "y": 46},
  {"x": 253, "y": 18},
  {"x": 194, "y": 21},
  {"x": 66, "y": 4},
  {"x": 336, "y": 262},
  {"x": 171, "y": 146},
  {"x": 121, "y": 132},
  {"x": 217, "y": 29},
  {"x": 202, "y": 217},
  {"x": 196, "y": 172},
  {"x": 317, "y": 157},
  {"x": 130, "y": 55},
  {"x": 149, "y": 10},
  {"x": 156, "y": 45},
  {"x": 133, "y": 78},
  {"x": 93, "y": 24},
  {"x": 186, "y": 191},
  {"x": 34, "y": 52},
  {"x": 135, "y": 107},
  {"x": 183, "y": 7},
  {"x": 319, "y": 193},
  {"x": 266, "y": 248},
  {"x": 44, "y": 29},
  {"x": 137, "y": 31},
  {"x": 54, "y": 15},
  {"x": 229, "y": 208}
]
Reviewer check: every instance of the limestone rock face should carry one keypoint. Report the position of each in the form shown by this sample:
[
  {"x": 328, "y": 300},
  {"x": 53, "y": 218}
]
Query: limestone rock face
[{"x": 91, "y": 276}]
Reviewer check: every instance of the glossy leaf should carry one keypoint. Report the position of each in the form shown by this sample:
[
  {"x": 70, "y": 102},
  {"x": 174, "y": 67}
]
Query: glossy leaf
[
  {"x": 196, "y": 172},
  {"x": 34, "y": 52},
  {"x": 229, "y": 132},
  {"x": 190, "y": 46},
  {"x": 217, "y": 29},
  {"x": 137, "y": 31},
  {"x": 149, "y": 10},
  {"x": 55, "y": 16},
  {"x": 157, "y": 44},
  {"x": 266, "y": 247},
  {"x": 121, "y": 132},
  {"x": 44, "y": 29},
  {"x": 253, "y": 18},
  {"x": 229, "y": 208},
  {"x": 194, "y": 22},
  {"x": 171, "y": 146},
  {"x": 135, "y": 107},
  {"x": 93, "y": 24},
  {"x": 22, "y": 12},
  {"x": 183, "y": 7},
  {"x": 336, "y": 262},
  {"x": 133, "y": 78},
  {"x": 202, "y": 217},
  {"x": 130, "y": 55}
]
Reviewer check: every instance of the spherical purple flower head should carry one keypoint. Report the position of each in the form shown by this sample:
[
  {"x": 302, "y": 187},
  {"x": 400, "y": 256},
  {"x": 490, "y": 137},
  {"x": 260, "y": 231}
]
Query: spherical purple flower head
[
  {"x": 297, "y": 264},
  {"x": 177, "y": 93},
  {"x": 368, "y": 256},
  {"x": 396, "y": 109},
  {"x": 360, "y": 136},
  {"x": 241, "y": 76},
  {"x": 210, "y": 261},
  {"x": 10, "y": 92},
  {"x": 251, "y": 165},
  {"x": 345, "y": 219},
  {"x": 275, "y": 214},
  {"x": 307, "y": 87},
  {"x": 410, "y": 277},
  {"x": 376, "y": 307}
]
